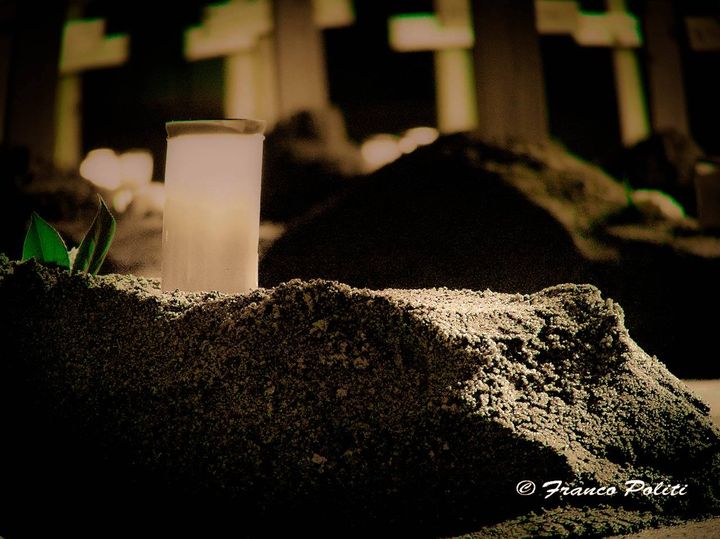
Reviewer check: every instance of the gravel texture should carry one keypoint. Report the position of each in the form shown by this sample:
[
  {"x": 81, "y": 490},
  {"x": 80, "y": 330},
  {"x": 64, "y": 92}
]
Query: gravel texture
[{"x": 333, "y": 407}]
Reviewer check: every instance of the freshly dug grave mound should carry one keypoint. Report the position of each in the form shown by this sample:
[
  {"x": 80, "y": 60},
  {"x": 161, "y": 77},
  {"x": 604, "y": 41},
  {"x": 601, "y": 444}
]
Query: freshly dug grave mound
[{"x": 320, "y": 406}]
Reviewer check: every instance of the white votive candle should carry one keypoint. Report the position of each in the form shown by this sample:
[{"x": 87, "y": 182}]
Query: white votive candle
[{"x": 212, "y": 207}]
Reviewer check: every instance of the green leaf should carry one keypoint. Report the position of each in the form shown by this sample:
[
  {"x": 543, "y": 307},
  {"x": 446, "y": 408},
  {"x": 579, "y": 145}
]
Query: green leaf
[
  {"x": 96, "y": 243},
  {"x": 43, "y": 243}
]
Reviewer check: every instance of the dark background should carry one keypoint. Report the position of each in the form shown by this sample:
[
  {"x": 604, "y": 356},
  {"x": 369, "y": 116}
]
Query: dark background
[{"x": 377, "y": 89}]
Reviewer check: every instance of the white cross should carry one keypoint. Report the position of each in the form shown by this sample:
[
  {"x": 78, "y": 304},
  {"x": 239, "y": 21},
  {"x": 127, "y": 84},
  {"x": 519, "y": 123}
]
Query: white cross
[
  {"x": 615, "y": 28},
  {"x": 450, "y": 36},
  {"x": 451, "y": 30},
  {"x": 240, "y": 31},
  {"x": 228, "y": 28},
  {"x": 84, "y": 46}
]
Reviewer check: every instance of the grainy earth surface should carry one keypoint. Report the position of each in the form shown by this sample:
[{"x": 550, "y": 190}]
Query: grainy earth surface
[{"x": 334, "y": 408}]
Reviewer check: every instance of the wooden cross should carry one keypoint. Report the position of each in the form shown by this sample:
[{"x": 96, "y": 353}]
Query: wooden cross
[
  {"x": 84, "y": 46},
  {"x": 274, "y": 63},
  {"x": 449, "y": 35},
  {"x": 238, "y": 31},
  {"x": 620, "y": 30}
]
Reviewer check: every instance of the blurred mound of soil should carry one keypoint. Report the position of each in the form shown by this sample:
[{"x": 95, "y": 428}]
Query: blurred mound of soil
[
  {"x": 665, "y": 161},
  {"x": 307, "y": 159}
]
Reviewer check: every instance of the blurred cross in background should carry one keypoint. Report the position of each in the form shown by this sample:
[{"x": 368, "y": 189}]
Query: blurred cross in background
[
  {"x": 267, "y": 59},
  {"x": 239, "y": 31},
  {"x": 84, "y": 46},
  {"x": 447, "y": 33},
  {"x": 274, "y": 63},
  {"x": 509, "y": 78}
]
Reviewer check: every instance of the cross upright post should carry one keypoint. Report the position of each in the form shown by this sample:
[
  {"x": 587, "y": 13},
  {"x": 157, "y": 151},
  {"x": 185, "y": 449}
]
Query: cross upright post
[
  {"x": 509, "y": 80},
  {"x": 632, "y": 106},
  {"x": 301, "y": 75},
  {"x": 667, "y": 93}
]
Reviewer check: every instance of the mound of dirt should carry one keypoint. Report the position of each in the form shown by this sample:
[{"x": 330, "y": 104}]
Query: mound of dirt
[
  {"x": 329, "y": 407},
  {"x": 458, "y": 213}
]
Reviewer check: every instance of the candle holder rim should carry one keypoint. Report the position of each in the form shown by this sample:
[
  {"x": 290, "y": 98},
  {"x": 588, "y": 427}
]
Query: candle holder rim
[{"x": 232, "y": 126}]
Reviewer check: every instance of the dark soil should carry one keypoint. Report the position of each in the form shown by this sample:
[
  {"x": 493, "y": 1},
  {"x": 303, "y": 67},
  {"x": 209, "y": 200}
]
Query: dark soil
[{"x": 331, "y": 410}]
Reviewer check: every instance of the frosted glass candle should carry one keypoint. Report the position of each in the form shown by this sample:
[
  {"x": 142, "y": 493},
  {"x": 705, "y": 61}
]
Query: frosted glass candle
[{"x": 212, "y": 208}]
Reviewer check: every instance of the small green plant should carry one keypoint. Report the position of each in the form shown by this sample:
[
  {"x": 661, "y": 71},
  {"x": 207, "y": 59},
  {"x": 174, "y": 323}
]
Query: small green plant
[{"x": 44, "y": 244}]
